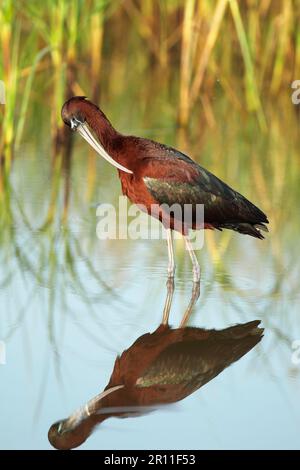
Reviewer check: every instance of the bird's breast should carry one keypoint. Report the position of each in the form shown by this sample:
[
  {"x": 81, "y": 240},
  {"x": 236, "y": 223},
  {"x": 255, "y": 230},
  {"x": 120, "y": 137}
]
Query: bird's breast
[{"x": 135, "y": 189}]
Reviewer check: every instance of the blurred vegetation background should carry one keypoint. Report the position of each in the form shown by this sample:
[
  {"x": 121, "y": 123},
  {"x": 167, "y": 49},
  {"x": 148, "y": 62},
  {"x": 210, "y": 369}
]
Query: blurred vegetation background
[
  {"x": 210, "y": 77},
  {"x": 186, "y": 51}
]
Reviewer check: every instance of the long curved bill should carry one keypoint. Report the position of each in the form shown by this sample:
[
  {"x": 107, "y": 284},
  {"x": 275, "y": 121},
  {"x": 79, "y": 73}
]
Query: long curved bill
[
  {"x": 90, "y": 408},
  {"x": 88, "y": 136}
]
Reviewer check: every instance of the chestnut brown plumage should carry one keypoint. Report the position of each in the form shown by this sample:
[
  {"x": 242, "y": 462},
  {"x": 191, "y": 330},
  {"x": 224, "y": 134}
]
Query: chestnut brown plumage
[
  {"x": 157, "y": 369},
  {"x": 155, "y": 177}
]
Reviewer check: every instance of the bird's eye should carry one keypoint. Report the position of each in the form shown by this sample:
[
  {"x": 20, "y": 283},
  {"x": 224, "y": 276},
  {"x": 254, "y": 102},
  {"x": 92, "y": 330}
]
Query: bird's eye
[
  {"x": 60, "y": 428},
  {"x": 75, "y": 122}
]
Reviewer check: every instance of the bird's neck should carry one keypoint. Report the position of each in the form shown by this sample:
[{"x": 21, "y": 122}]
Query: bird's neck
[
  {"x": 112, "y": 141},
  {"x": 103, "y": 129}
]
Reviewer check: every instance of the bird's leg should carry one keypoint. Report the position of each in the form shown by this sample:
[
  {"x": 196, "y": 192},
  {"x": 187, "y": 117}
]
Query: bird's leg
[
  {"x": 194, "y": 298},
  {"x": 171, "y": 265},
  {"x": 196, "y": 267},
  {"x": 168, "y": 302}
]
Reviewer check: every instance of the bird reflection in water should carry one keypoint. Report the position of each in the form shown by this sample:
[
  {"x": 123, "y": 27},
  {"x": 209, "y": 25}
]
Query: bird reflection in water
[{"x": 159, "y": 368}]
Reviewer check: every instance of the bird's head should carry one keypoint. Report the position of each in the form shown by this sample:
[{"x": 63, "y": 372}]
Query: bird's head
[
  {"x": 84, "y": 117},
  {"x": 73, "y": 112},
  {"x": 73, "y": 431},
  {"x": 65, "y": 435}
]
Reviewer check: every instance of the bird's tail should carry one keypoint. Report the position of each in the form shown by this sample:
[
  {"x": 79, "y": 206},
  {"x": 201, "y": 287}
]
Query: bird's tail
[
  {"x": 254, "y": 230},
  {"x": 240, "y": 339},
  {"x": 247, "y": 329}
]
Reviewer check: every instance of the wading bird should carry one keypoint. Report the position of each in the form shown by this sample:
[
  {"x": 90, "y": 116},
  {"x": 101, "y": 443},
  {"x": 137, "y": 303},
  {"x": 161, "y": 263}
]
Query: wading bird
[
  {"x": 157, "y": 178},
  {"x": 159, "y": 368}
]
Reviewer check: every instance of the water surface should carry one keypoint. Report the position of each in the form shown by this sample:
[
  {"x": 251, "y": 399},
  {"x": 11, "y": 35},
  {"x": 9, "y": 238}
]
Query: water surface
[{"x": 70, "y": 303}]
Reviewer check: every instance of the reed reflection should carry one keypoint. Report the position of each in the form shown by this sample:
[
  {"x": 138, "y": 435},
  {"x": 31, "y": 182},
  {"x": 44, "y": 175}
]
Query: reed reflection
[{"x": 159, "y": 368}]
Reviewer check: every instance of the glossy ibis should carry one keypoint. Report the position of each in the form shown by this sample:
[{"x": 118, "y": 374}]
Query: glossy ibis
[
  {"x": 159, "y": 368},
  {"x": 155, "y": 176}
]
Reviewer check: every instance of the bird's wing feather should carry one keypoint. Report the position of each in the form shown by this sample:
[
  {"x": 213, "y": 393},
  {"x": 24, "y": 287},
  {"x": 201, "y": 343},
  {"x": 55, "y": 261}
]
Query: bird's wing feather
[
  {"x": 195, "y": 362},
  {"x": 173, "y": 177}
]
